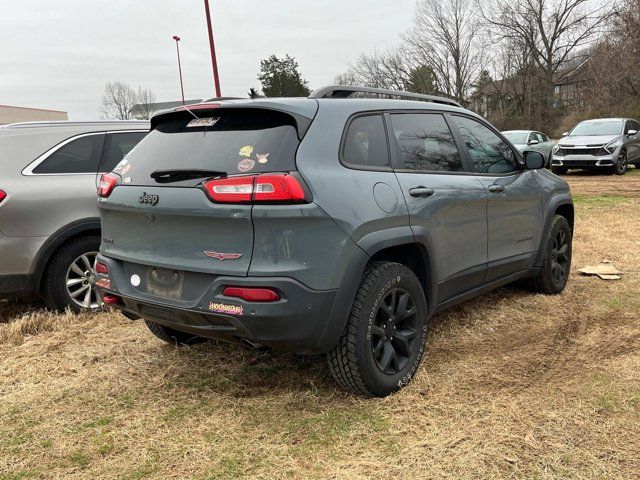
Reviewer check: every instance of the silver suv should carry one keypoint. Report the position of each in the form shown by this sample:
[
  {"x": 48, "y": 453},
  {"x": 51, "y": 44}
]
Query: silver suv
[
  {"x": 49, "y": 225},
  {"x": 608, "y": 144}
]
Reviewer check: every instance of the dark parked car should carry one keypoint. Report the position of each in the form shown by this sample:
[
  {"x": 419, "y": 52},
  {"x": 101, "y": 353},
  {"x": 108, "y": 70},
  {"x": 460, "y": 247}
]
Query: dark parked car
[
  {"x": 326, "y": 224},
  {"x": 49, "y": 225}
]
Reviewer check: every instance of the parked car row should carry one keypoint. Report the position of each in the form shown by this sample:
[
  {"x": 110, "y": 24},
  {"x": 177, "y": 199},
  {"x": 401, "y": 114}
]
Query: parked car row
[{"x": 605, "y": 144}]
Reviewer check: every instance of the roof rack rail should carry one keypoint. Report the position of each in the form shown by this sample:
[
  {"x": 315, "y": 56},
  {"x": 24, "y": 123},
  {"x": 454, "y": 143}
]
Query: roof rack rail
[{"x": 344, "y": 91}]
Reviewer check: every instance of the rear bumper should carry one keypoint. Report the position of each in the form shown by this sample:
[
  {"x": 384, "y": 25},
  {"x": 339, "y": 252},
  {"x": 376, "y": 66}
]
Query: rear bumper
[{"x": 297, "y": 322}]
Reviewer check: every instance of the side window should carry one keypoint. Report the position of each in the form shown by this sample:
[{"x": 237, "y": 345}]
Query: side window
[
  {"x": 119, "y": 145},
  {"x": 627, "y": 126},
  {"x": 489, "y": 153},
  {"x": 78, "y": 156},
  {"x": 366, "y": 143},
  {"x": 538, "y": 136},
  {"x": 425, "y": 142}
]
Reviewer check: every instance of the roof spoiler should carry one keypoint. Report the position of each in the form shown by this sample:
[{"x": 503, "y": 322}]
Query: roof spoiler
[{"x": 344, "y": 91}]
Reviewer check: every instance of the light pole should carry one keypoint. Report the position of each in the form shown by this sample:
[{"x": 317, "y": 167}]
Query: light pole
[
  {"x": 177, "y": 39},
  {"x": 214, "y": 62}
]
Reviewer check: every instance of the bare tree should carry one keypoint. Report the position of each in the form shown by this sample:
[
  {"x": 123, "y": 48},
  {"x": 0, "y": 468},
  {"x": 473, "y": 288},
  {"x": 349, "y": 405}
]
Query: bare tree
[
  {"x": 445, "y": 36},
  {"x": 144, "y": 99},
  {"x": 117, "y": 100},
  {"x": 551, "y": 30}
]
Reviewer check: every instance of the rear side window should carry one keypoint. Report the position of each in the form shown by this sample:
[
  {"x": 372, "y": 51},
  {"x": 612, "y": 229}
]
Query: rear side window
[
  {"x": 488, "y": 152},
  {"x": 78, "y": 156},
  {"x": 119, "y": 145},
  {"x": 365, "y": 144},
  {"x": 425, "y": 143},
  {"x": 229, "y": 141}
]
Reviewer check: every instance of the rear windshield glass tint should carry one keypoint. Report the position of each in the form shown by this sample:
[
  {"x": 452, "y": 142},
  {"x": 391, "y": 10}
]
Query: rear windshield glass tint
[{"x": 232, "y": 141}]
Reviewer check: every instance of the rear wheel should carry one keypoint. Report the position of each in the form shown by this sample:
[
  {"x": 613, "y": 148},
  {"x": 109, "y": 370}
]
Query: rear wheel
[
  {"x": 554, "y": 273},
  {"x": 172, "y": 336},
  {"x": 384, "y": 340},
  {"x": 559, "y": 170},
  {"x": 69, "y": 280}
]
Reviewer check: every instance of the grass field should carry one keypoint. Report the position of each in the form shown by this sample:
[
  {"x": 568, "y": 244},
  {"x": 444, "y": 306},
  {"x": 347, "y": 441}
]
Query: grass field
[{"x": 513, "y": 385}]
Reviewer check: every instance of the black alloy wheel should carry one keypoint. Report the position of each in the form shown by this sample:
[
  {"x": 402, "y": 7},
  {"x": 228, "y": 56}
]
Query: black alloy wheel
[{"x": 394, "y": 331}]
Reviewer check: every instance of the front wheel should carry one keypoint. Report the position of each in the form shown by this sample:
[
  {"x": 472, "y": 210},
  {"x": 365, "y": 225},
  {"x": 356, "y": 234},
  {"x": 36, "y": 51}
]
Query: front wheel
[
  {"x": 554, "y": 273},
  {"x": 385, "y": 337},
  {"x": 620, "y": 168}
]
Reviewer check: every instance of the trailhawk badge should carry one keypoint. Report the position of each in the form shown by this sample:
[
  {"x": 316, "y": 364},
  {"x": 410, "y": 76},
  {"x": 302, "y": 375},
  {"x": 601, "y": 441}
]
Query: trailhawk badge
[{"x": 222, "y": 256}]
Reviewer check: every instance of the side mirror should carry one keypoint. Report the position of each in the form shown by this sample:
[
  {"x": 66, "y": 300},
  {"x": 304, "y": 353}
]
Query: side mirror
[
  {"x": 534, "y": 142},
  {"x": 533, "y": 160},
  {"x": 564, "y": 134},
  {"x": 631, "y": 133}
]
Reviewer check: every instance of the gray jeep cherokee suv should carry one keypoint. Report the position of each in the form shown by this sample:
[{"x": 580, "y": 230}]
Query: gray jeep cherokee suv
[
  {"x": 326, "y": 224},
  {"x": 49, "y": 225}
]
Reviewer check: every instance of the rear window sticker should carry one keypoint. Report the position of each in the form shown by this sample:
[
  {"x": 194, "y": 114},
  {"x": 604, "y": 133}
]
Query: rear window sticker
[
  {"x": 126, "y": 169},
  {"x": 226, "y": 308},
  {"x": 246, "y": 151},
  {"x": 203, "y": 122},
  {"x": 121, "y": 165},
  {"x": 262, "y": 157},
  {"x": 246, "y": 165}
]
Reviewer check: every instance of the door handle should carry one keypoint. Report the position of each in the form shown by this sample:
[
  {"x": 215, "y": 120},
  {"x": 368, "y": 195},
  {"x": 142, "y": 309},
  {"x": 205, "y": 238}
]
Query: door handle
[
  {"x": 421, "y": 192},
  {"x": 496, "y": 188}
]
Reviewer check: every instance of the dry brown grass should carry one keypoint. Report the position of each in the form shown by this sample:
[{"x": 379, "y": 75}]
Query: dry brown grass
[{"x": 514, "y": 385}]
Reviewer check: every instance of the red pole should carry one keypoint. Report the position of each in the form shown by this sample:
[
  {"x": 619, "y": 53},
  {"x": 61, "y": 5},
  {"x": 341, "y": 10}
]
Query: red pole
[
  {"x": 177, "y": 39},
  {"x": 214, "y": 62}
]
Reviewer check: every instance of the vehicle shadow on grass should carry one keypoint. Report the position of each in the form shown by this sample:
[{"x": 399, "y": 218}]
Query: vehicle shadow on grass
[{"x": 240, "y": 371}]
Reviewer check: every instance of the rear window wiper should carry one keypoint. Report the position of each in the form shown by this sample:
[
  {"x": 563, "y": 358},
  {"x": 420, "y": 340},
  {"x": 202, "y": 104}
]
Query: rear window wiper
[{"x": 168, "y": 176}]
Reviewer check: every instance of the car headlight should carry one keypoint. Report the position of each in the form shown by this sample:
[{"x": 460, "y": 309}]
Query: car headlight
[
  {"x": 611, "y": 147},
  {"x": 555, "y": 149}
]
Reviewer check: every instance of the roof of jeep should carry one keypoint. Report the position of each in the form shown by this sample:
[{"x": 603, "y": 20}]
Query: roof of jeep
[{"x": 307, "y": 107}]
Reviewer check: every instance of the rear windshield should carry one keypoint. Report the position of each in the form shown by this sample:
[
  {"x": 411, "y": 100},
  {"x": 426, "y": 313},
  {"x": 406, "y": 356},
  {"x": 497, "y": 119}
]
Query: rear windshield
[
  {"x": 606, "y": 127},
  {"x": 232, "y": 142}
]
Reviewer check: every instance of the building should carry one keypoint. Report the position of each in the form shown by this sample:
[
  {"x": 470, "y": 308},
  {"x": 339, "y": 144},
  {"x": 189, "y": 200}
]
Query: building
[
  {"x": 143, "y": 111},
  {"x": 10, "y": 114}
]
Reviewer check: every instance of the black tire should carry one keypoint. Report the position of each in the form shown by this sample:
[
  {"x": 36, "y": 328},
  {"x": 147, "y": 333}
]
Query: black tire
[
  {"x": 357, "y": 361},
  {"x": 620, "y": 168},
  {"x": 556, "y": 265},
  {"x": 559, "y": 170},
  {"x": 54, "y": 289},
  {"x": 172, "y": 336}
]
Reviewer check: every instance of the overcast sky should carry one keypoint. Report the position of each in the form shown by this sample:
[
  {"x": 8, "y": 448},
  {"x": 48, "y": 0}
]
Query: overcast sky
[{"x": 59, "y": 54}]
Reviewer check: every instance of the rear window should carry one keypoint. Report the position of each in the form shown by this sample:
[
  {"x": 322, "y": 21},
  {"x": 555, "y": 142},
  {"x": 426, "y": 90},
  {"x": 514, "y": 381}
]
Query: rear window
[{"x": 232, "y": 141}]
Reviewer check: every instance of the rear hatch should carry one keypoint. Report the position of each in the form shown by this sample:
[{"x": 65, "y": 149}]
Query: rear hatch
[{"x": 163, "y": 212}]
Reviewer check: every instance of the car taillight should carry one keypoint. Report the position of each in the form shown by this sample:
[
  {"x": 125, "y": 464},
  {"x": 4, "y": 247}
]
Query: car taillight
[
  {"x": 273, "y": 187},
  {"x": 101, "y": 268},
  {"x": 3, "y": 195},
  {"x": 108, "y": 182},
  {"x": 111, "y": 299},
  {"x": 252, "y": 294}
]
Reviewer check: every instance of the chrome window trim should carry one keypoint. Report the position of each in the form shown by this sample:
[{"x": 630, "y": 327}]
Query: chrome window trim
[{"x": 28, "y": 170}]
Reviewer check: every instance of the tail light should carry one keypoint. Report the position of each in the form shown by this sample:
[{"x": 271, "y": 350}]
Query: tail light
[
  {"x": 111, "y": 299},
  {"x": 3, "y": 195},
  {"x": 252, "y": 294},
  {"x": 108, "y": 182},
  {"x": 276, "y": 187},
  {"x": 101, "y": 268}
]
